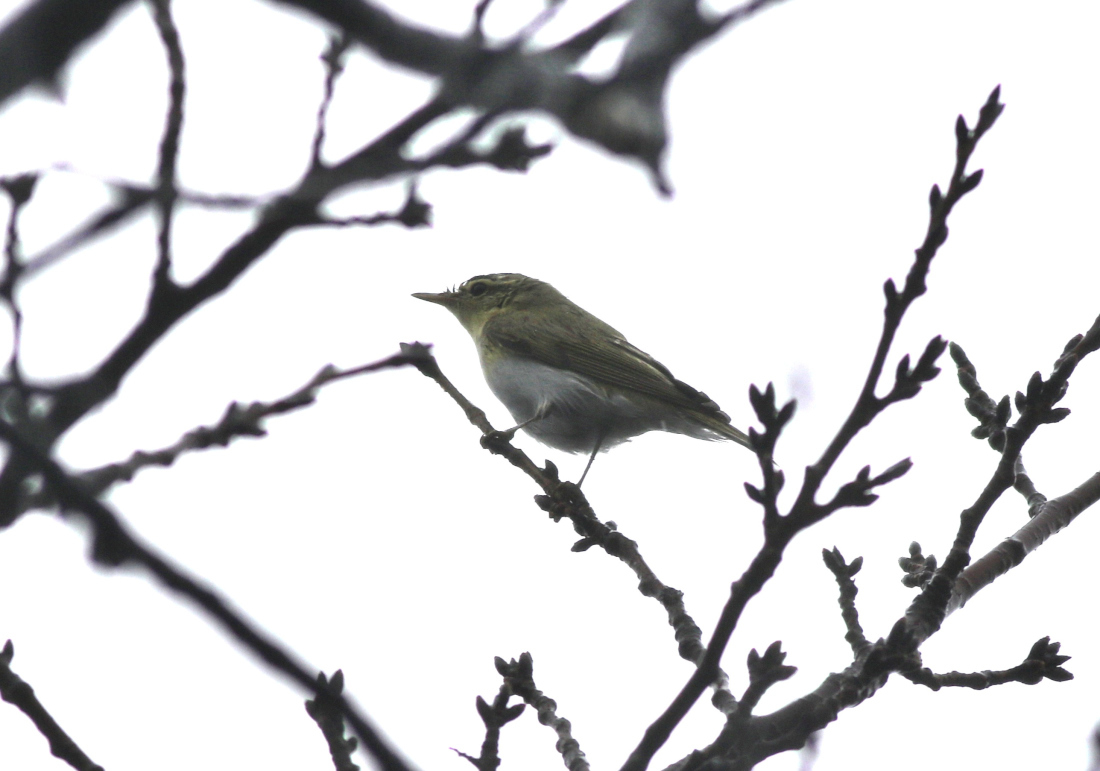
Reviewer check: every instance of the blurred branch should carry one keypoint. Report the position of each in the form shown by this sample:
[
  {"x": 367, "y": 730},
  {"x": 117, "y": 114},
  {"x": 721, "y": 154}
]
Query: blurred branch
[
  {"x": 114, "y": 546},
  {"x": 414, "y": 213},
  {"x": 15, "y": 691},
  {"x": 130, "y": 201},
  {"x": 565, "y": 499},
  {"x": 326, "y": 714},
  {"x": 37, "y": 43},
  {"x": 170, "y": 138},
  {"x": 19, "y": 190},
  {"x": 237, "y": 421},
  {"x": 624, "y": 114},
  {"x": 168, "y": 303},
  {"x": 333, "y": 59}
]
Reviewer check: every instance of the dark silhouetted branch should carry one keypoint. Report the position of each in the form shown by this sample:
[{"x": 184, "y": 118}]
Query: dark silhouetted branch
[
  {"x": 170, "y": 137},
  {"x": 870, "y": 672},
  {"x": 238, "y": 421},
  {"x": 130, "y": 202},
  {"x": 495, "y": 716},
  {"x": 15, "y": 691},
  {"x": 1050, "y": 517},
  {"x": 565, "y": 499},
  {"x": 519, "y": 677},
  {"x": 37, "y": 43},
  {"x": 19, "y": 190},
  {"x": 845, "y": 572},
  {"x": 764, "y": 672},
  {"x": 414, "y": 213},
  {"x": 1043, "y": 662},
  {"x": 325, "y": 712},
  {"x": 113, "y": 545},
  {"x": 918, "y": 568},
  {"x": 333, "y": 59}
]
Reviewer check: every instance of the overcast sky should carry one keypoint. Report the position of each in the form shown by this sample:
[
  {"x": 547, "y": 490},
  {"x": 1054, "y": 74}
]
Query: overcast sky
[{"x": 371, "y": 533}]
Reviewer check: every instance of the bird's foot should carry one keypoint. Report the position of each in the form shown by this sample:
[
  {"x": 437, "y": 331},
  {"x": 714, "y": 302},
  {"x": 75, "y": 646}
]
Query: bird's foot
[{"x": 497, "y": 442}]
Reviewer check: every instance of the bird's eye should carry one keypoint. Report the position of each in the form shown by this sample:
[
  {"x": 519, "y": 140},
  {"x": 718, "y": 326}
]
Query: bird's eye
[{"x": 478, "y": 289}]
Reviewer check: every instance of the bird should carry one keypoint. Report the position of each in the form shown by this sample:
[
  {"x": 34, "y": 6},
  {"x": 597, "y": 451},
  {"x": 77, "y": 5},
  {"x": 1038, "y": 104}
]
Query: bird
[{"x": 569, "y": 379}]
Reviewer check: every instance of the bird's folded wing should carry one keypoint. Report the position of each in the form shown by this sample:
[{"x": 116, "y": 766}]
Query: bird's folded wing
[{"x": 564, "y": 344}]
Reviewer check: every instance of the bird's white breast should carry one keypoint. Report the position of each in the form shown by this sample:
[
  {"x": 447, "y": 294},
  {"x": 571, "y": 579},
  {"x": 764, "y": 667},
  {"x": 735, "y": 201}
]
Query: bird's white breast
[{"x": 578, "y": 411}]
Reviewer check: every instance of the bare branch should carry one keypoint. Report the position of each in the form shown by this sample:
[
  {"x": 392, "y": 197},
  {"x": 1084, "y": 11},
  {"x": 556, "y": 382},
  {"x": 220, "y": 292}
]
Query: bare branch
[
  {"x": 992, "y": 416},
  {"x": 918, "y": 568},
  {"x": 519, "y": 677},
  {"x": 37, "y": 43},
  {"x": 237, "y": 422},
  {"x": 1050, "y": 517},
  {"x": 1036, "y": 408},
  {"x": 326, "y": 714},
  {"x": 15, "y": 691},
  {"x": 565, "y": 499},
  {"x": 131, "y": 200},
  {"x": 170, "y": 138},
  {"x": 805, "y": 511},
  {"x": 414, "y": 213},
  {"x": 113, "y": 546},
  {"x": 495, "y": 716},
  {"x": 1043, "y": 662},
  {"x": 845, "y": 572},
  {"x": 764, "y": 672},
  {"x": 333, "y": 59},
  {"x": 19, "y": 190},
  {"x": 167, "y": 303}
]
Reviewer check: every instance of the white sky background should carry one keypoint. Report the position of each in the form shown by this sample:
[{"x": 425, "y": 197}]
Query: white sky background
[{"x": 371, "y": 533}]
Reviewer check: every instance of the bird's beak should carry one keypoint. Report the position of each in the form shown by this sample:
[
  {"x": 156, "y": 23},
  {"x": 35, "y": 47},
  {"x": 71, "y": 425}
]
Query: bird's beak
[{"x": 445, "y": 299}]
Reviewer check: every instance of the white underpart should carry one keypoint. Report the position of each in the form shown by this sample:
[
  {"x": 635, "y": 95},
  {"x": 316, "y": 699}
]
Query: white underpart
[{"x": 578, "y": 412}]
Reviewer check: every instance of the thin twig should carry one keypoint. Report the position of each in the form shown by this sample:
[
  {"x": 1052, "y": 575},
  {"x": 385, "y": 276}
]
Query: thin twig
[
  {"x": 519, "y": 677},
  {"x": 113, "y": 545},
  {"x": 845, "y": 572},
  {"x": 1051, "y": 517},
  {"x": 237, "y": 421},
  {"x": 1043, "y": 662},
  {"x": 326, "y": 714},
  {"x": 168, "y": 304},
  {"x": 565, "y": 499},
  {"x": 805, "y": 511},
  {"x": 19, "y": 190},
  {"x": 15, "y": 690},
  {"x": 131, "y": 201},
  {"x": 333, "y": 59},
  {"x": 170, "y": 138},
  {"x": 764, "y": 672},
  {"x": 495, "y": 716}
]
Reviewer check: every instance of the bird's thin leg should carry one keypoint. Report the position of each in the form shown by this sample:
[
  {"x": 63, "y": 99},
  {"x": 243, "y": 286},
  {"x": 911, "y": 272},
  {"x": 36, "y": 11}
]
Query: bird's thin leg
[
  {"x": 592, "y": 457},
  {"x": 544, "y": 409}
]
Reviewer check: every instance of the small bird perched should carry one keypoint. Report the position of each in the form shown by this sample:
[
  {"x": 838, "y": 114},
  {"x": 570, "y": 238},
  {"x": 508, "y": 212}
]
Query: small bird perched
[{"x": 570, "y": 380}]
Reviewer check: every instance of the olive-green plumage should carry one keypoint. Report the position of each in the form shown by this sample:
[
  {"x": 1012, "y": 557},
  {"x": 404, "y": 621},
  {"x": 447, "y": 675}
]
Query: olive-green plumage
[{"x": 569, "y": 379}]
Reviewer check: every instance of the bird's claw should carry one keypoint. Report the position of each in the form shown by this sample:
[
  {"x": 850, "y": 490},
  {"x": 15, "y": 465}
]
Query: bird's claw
[{"x": 496, "y": 441}]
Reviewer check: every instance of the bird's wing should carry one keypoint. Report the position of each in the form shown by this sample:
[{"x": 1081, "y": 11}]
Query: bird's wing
[{"x": 564, "y": 343}]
